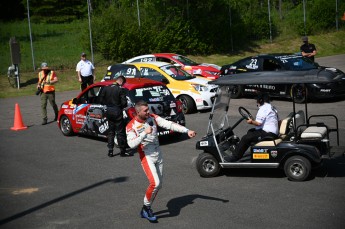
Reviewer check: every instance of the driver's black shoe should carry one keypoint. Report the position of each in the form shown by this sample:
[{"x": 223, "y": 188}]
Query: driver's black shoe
[{"x": 111, "y": 153}]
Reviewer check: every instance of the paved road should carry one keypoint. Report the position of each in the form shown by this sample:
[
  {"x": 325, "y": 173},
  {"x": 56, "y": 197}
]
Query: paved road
[{"x": 51, "y": 181}]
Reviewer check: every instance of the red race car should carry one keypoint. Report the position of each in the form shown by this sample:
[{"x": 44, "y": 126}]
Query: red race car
[
  {"x": 210, "y": 71},
  {"x": 85, "y": 115}
]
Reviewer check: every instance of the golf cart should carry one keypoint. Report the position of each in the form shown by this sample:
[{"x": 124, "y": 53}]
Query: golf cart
[{"x": 303, "y": 142}]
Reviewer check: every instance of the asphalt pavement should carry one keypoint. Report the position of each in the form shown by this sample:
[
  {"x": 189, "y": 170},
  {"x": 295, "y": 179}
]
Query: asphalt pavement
[{"x": 48, "y": 180}]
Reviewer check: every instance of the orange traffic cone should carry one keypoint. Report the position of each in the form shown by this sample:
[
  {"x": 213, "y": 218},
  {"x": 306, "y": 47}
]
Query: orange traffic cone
[{"x": 18, "y": 122}]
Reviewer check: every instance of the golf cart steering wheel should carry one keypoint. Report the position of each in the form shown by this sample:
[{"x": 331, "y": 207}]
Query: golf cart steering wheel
[{"x": 245, "y": 113}]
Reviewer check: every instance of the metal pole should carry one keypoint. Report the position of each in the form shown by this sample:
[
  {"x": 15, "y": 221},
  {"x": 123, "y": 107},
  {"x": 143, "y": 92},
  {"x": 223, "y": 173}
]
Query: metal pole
[
  {"x": 304, "y": 18},
  {"x": 138, "y": 13},
  {"x": 269, "y": 19},
  {"x": 336, "y": 15},
  {"x": 32, "y": 48},
  {"x": 88, "y": 11}
]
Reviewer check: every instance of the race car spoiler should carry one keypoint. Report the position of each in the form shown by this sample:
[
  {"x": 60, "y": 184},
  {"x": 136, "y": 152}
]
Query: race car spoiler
[{"x": 286, "y": 77}]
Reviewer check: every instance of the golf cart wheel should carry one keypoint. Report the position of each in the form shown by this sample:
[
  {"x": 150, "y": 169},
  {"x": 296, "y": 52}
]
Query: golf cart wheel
[
  {"x": 66, "y": 126},
  {"x": 297, "y": 168},
  {"x": 188, "y": 105},
  {"x": 207, "y": 165}
]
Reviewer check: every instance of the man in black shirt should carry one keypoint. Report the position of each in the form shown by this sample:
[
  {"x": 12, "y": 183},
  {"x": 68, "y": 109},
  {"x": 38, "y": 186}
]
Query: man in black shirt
[
  {"x": 307, "y": 49},
  {"x": 114, "y": 97}
]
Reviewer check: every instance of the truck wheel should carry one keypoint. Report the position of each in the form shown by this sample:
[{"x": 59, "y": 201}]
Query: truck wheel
[
  {"x": 65, "y": 126},
  {"x": 188, "y": 105},
  {"x": 207, "y": 165},
  {"x": 297, "y": 168}
]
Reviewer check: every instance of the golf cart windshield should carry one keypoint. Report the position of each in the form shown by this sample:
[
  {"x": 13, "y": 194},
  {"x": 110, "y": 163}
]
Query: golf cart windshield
[{"x": 220, "y": 119}]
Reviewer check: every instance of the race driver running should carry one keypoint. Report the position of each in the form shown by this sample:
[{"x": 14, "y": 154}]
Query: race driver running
[{"x": 142, "y": 133}]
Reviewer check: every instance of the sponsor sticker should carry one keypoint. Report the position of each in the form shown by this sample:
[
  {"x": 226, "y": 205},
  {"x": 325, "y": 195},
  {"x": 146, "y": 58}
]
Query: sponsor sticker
[
  {"x": 68, "y": 111},
  {"x": 274, "y": 153},
  {"x": 204, "y": 143},
  {"x": 261, "y": 156},
  {"x": 166, "y": 132},
  {"x": 260, "y": 150}
]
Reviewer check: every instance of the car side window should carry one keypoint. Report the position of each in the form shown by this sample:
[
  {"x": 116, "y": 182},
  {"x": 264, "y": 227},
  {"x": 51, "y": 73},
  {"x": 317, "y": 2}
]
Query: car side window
[
  {"x": 167, "y": 60},
  {"x": 151, "y": 74},
  {"x": 270, "y": 65},
  {"x": 90, "y": 96}
]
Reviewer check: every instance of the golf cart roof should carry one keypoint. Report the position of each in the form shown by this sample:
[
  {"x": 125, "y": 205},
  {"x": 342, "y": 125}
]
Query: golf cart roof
[{"x": 285, "y": 77}]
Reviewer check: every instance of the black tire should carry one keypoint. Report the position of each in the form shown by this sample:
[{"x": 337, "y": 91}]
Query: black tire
[
  {"x": 188, "y": 105},
  {"x": 300, "y": 93},
  {"x": 66, "y": 126},
  {"x": 297, "y": 168},
  {"x": 207, "y": 165},
  {"x": 237, "y": 92}
]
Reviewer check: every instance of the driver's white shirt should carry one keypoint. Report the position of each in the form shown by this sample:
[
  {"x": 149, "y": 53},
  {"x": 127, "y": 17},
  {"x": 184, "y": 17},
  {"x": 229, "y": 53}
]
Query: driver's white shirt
[{"x": 268, "y": 117}]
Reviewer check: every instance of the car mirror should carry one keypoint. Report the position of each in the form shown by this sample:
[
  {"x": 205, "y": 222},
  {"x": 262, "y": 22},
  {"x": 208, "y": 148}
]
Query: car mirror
[
  {"x": 165, "y": 81},
  {"x": 75, "y": 101}
]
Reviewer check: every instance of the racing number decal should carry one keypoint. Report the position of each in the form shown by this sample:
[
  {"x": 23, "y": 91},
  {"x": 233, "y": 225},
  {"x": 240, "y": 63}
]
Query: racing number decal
[
  {"x": 253, "y": 64},
  {"x": 131, "y": 71},
  {"x": 147, "y": 59}
]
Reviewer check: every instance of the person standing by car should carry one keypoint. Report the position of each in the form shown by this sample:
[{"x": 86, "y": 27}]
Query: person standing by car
[
  {"x": 142, "y": 133},
  {"x": 307, "y": 49},
  {"x": 114, "y": 97},
  {"x": 45, "y": 87},
  {"x": 266, "y": 124},
  {"x": 85, "y": 72}
]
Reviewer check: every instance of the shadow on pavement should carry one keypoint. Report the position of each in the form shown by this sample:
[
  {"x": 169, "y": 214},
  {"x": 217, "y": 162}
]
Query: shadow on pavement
[
  {"x": 61, "y": 198},
  {"x": 176, "y": 204}
]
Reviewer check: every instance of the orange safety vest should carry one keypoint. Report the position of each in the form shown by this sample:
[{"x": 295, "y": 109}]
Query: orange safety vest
[{"x": 47, "y": 87}]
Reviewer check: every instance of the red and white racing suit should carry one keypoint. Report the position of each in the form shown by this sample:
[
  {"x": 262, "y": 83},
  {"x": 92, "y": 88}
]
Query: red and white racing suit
[{"x": 149, "y": 150}]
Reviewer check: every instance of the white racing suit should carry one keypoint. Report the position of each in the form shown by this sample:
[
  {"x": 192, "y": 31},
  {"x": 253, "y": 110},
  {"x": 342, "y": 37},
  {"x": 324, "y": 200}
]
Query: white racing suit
[{"x": 149, "y": 150}]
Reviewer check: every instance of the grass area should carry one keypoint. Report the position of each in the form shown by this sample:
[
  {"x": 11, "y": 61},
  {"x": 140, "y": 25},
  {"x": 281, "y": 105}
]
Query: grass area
[{"x": 61, "y": 44}]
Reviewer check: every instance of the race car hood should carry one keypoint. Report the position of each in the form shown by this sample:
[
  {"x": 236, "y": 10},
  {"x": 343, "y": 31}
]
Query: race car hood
[
  {"x": 333, "y": 73},
  {"x": 213, "y": 66},
  {"x": 199, "y": 80}
]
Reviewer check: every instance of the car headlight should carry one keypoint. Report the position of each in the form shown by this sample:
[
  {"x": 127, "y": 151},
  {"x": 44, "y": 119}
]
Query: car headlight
[{"x": 199, "y": 87}]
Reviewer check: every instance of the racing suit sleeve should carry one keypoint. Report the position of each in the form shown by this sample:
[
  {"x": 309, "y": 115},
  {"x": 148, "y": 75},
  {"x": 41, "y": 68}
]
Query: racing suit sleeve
[
  {"x": 169, "y": 125},
  {"x": 133, "y": 139}
]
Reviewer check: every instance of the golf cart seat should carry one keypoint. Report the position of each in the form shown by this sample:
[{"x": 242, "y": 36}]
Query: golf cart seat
[
  {"x": 284, "y": 129},
  {"x": 314, "y": 132}
]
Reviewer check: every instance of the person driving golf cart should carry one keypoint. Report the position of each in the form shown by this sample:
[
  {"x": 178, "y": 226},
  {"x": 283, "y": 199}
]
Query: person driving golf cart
[{"x": 266, "y": 125}]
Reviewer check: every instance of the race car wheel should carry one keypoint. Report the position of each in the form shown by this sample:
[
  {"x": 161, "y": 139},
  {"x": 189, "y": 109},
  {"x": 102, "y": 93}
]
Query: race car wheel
[
  {"x": 297, "y": 168},
  {"x": 236, "y": 92},
  {"x": 207, "y": 165},
  {"x": 300, "y": 92},
  {"x": 65, "y": 126},
  {"x": 188, "y": 105}
]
